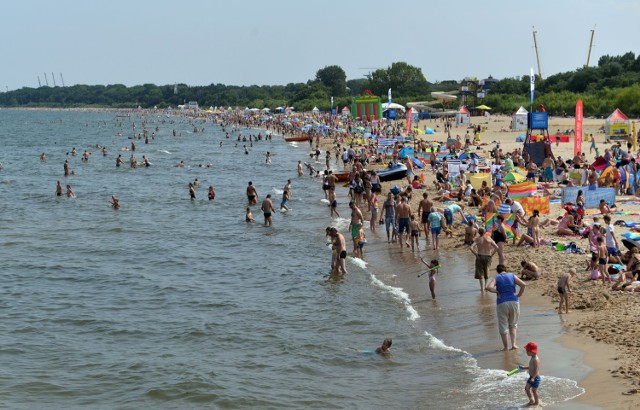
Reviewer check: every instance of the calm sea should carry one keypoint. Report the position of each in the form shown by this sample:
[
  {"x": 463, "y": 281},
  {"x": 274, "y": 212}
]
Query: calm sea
[{"x": 173, "y": 303}]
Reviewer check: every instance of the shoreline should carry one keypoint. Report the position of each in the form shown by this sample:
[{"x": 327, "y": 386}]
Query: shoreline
[{"x": 601, "y": 388}]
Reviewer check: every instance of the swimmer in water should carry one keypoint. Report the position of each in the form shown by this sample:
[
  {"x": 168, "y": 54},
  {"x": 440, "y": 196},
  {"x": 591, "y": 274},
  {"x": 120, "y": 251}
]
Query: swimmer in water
[
  {"x": 59, "y": 189},
  {"x": 192, "y": 191},
  {"x": 115, "y": 202},
  {"x": 212, "y": 193},
  {"x": 385, "y": 349},
  {"x": 43, "y": 157},
  {"x": 70, "y": 193},
  {"x": 249, "y": 216}
]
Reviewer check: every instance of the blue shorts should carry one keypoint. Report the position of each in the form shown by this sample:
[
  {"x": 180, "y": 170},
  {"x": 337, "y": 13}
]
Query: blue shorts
[
  {"x": 448, "y": 216},
  {"x": 390, "y": 222},
  {"x": 403, "y": 224},
  {"x": 613, "y": 251},
  {"x": 536, "y": 382},
  {"x": 435, "y": 231}
]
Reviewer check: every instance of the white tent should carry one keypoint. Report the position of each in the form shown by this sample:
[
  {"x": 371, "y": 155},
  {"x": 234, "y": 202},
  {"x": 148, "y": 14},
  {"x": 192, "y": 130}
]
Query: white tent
[
  {"x": 519, "y": 119},
  {"x": 463, "y": 116},
  {"x": 315, "y": 109},
  {"x": 393, "y": 106}
]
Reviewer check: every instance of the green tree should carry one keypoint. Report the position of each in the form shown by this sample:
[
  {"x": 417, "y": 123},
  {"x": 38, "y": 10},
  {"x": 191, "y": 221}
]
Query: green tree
[
  {"x": 403, "y": 79},
  {"x": 334, "y": 80}
]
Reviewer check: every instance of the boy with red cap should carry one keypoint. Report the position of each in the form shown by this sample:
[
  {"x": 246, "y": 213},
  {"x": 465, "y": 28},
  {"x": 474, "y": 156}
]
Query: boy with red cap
[{"x": 533, "y": 382}]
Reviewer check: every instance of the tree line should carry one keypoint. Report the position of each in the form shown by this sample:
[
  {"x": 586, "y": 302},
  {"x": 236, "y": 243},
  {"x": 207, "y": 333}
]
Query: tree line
[{"x": 613, "y": 83}]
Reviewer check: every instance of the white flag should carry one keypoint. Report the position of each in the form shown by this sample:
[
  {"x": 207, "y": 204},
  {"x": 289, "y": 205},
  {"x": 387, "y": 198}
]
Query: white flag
[
  {"x": 389, "y": 98},
  {"x": 533, "y": 84}
]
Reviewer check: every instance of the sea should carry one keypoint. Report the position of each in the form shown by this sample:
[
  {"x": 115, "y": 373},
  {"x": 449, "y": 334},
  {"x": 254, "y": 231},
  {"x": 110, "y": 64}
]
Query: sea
[{"x": 173, "y": 303}]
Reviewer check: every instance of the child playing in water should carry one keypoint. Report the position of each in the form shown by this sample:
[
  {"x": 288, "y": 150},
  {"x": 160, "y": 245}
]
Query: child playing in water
[
  {"x": 385, "y": 348},
  {"x": 564, "y": 287},
  {"x": 415, "y": 233},
  {"x": 361, "y": 240},
  {"x": 249, "y": 216},
  {"x": 533, "y": 382},
  {"x": 433, "y": 272}
]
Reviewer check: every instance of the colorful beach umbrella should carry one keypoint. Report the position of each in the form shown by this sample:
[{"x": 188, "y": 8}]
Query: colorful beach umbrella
[{"x": 513, "y": 176}]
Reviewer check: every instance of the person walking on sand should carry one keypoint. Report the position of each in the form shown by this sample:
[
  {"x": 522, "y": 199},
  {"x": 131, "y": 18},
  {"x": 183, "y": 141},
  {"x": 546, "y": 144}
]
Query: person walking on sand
[
  {"x": 508, "y": 304},
  {"x": 564, "y": 287},
  {"x": 483, "y": 248},
  {"x": 267, "y": 210}
]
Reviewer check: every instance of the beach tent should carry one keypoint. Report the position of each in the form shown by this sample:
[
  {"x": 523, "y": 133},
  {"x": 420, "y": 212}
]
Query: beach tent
[
  {"x": 315, "y": 110},
  {"x": 521, "y": 138},
  {"x": 468, "y": 155},
  {"x": 476, "y": 180},
  {"x": 617, "y": 124},
  {"x": 600, "y": 164},
  {"x": 519, "y": 119},
  {"x": 393, "y": 106},
  {"x": 429, "y": 131},
  {"x": 463, "y": 116},
  {"x": 513, "y": 176},
  {"x": 346, "y": 111}
]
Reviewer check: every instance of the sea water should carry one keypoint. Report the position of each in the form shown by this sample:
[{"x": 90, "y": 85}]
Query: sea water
[{"x": 169, "y": 302}]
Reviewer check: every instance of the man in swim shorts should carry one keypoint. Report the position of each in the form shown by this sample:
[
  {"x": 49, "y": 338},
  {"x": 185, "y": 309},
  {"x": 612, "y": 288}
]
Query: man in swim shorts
[
  {"x": 267, "y": 210},
  {"x": 424, "y": 209},
  {"x": 340, "y": 248},
  {"x": 483, "y": 248},
  {"x": 403, "y": 219}
]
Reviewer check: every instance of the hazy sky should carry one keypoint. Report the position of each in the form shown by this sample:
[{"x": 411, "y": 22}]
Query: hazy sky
[{"x": 238, "y": 42}]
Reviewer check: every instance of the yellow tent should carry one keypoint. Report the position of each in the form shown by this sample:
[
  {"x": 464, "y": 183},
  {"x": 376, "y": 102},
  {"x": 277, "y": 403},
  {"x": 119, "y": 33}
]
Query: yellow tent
[{"x": 476, "y": 180}]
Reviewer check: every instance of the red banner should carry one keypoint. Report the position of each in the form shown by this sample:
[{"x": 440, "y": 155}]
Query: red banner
[
  {"x": 406, "y": 132},
  {"x": 577, "y": 142}
]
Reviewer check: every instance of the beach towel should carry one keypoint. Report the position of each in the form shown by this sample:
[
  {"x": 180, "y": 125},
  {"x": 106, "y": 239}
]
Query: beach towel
[
  {"x": 522, "y": 190},
  {"x": 491, "y": 223},
  {"x": 634, "y": 236},
  {"x": 541, "y": 203}
]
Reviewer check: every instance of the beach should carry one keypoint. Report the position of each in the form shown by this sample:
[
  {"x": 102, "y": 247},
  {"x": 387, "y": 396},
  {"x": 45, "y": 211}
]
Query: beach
[
  {"x": 608, "y": 344},
  {"x": 445, "y": 352}
]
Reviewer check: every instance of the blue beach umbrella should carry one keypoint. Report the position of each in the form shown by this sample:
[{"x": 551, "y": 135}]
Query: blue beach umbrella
[
  {"x": 405, "y": 152},
  {"x": 467, "y": 155}
]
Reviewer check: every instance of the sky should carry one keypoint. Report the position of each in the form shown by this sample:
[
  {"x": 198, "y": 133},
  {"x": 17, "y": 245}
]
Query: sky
[{"x": 246, "y": 42}]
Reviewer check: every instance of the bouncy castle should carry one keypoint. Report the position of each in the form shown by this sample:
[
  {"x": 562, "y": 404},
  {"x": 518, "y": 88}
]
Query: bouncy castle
[{"x": 367, "y": 106}]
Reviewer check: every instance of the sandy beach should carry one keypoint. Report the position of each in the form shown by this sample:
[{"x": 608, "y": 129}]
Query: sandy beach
[{"x": 601, "y": 321}]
